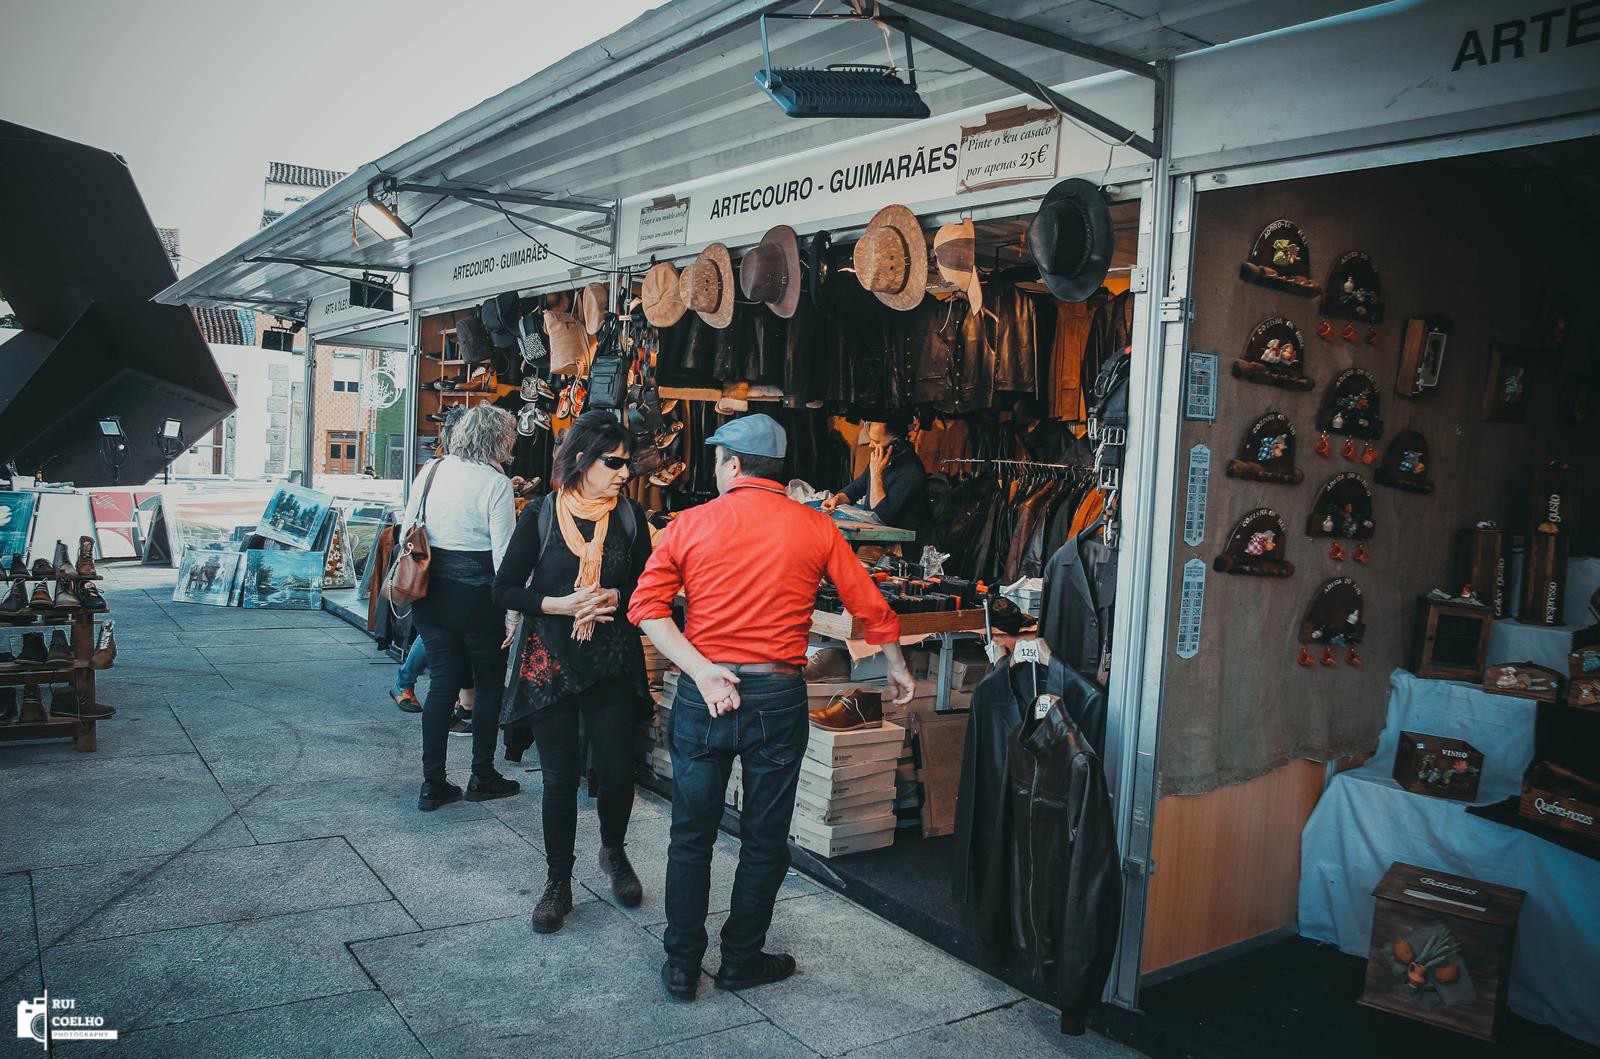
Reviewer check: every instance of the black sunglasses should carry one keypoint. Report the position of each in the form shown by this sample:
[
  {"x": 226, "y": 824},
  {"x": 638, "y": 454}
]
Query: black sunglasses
[{"x": 614, "y": 463}]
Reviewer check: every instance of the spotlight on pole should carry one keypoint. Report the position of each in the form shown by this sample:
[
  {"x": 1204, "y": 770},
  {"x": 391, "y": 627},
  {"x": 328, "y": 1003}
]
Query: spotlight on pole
[{"x": 113, "y": 445}]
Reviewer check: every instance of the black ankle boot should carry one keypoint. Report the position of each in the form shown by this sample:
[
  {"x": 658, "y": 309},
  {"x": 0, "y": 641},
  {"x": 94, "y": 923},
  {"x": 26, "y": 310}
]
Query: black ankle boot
[
  {"x": 624, "y": 880},
  {"x": 552, "y": 909}
]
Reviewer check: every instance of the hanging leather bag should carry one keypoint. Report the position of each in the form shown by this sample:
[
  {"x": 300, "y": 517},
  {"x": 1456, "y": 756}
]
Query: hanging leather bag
[{"x": 408, "y": 573}]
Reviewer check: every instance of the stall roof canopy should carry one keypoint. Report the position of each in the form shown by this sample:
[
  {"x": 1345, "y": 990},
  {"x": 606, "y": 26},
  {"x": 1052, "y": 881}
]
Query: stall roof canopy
[{"x": 670, "y": 98}]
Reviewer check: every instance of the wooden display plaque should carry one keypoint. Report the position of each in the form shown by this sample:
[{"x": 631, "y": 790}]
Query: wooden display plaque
[
  {"x": 1525, "y": 680},
  {"x": 1556, "y": 489},
  {"x": 1544, "y": 580},
  {"x": 1481, "y": 563},
  {"x": 1452, "y": 640},
  {"x": 1421, "y": 357},
  {"x": 1561, "y": 799},
  {"x": 1584, "y": 693},
  {"x": 1438, "y": 766},
  {"x": 847, "y": 626},
  {"x": 1414, "y": 904}
]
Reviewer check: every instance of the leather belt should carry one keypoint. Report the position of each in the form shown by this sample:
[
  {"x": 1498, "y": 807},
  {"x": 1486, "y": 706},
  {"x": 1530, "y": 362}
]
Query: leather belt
[{"x": 772, "y": 669}]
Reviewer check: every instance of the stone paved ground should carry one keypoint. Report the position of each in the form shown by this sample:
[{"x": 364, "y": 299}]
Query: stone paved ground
[{"x": 241, "y": 870}]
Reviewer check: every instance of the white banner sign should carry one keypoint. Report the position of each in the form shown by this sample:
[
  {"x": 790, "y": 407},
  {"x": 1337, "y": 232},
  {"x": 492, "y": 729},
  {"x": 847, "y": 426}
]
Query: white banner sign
[
  {"x": 332, "y": 312},
  {"x": 1009, "y": 148},
  {"x": 515, "y": 262},
  {"x": 663, "y": 225}
]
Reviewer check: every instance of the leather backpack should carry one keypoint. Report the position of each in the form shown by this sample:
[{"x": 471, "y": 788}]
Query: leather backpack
[{"x": 408, "y": 573}]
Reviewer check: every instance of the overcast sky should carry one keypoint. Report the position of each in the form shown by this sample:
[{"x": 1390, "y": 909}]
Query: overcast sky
[{"x": 199, "y": 95}]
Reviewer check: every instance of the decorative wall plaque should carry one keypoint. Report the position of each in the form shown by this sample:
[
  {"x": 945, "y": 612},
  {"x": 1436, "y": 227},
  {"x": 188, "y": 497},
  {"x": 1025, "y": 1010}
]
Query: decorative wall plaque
[
  {"x": 1256, "y": 547},
  {"x": 1267, "y": 452},
  {"x": 1274, "y": 355}
]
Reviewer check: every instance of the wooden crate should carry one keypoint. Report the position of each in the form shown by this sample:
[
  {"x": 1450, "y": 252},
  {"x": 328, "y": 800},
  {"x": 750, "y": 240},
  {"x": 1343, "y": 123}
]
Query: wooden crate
[
  {"x": 1544, "y": 580},
  {"x": 847, "y": 626},
  {"x": 1561, "y": 799},
  {"x": 1452, "y": 640},
  {"x": 1438, "y": 766},
  {"x": 1481, "y": 563},
  {"x": 1481, "y": 916}
]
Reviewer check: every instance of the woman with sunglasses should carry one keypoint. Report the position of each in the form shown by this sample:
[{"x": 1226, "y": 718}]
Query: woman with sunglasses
[{"x": 570, "y": 570}]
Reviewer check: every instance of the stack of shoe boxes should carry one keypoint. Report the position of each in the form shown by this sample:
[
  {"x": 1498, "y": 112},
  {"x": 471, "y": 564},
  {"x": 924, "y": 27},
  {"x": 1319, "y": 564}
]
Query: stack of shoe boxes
[
  {"x": 660, "y": 758},
  {"x": 845, "y": 801}
]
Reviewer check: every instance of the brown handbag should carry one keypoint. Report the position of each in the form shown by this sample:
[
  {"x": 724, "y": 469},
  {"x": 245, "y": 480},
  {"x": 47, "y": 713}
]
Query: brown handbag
[{"x": 408, "y": 573}]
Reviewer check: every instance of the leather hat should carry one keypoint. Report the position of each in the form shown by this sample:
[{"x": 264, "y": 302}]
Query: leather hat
[
  {"x": 706, "y": 286},
  {"x": 955, "y": 252},
  {"x": 818, "y": 265},
  {"x": 595, "y": 302},
  {"x": 663, "y": 302},
  {"x": 1071, "y": 239},
  {"x": 891, "y": 258},
  {"x": 770, "y": 272}
]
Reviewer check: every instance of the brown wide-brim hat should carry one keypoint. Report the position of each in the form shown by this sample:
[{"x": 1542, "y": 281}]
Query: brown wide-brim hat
[
  {"x": 891, "y": 258},
  {"x": 955, "y": 252},
  {"x": 595, "y": 301},
  {"x": 770, "y": 272},
  {"x": 663, "y": 301},
  {"x": 706, "y": 286}
]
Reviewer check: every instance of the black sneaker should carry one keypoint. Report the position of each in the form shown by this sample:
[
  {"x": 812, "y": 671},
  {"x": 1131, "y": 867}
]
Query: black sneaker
[
  {"x": 765, "y": 969},
  {"x": 437, "y": 794},
  {"x": 554, "y": 904},
  {"x": 682, "y": 982},
  {"x": 461, "y": 722},
  {"x": 488, "y": 788}
]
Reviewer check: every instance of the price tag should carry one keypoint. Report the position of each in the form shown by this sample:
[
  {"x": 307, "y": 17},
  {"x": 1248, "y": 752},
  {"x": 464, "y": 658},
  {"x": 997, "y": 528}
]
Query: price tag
[
  {"x": 1190, "y": 607},
  {"x": 1027, "y": 651},
  {"x": 994, "y": 652},
  {"x": 1199, "y": 486},
  {"x": 1044, "y": 704}
]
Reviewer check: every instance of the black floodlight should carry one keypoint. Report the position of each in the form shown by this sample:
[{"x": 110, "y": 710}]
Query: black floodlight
[
  {"x": 842, "y": 90},
  {"x": 371, "y": 292},
  {"x": 280, "y": 339}
]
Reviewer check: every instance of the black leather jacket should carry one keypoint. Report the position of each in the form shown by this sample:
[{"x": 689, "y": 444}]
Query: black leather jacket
[{"x": 1052, "y": 899}]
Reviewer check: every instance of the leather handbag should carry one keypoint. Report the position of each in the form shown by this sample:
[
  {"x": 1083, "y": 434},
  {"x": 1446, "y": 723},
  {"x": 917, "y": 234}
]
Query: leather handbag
[{"x": 408, "y": 573}]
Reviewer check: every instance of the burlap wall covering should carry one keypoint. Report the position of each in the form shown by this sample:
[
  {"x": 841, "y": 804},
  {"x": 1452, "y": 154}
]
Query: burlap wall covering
[{"x": 1456, "y": 238}]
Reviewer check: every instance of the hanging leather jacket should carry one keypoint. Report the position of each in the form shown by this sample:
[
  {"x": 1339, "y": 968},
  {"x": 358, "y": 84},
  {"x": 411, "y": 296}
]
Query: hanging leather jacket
[
  {"x": 734, "y": 343},
  {"x": 933, "y": 332},
  {"x": 861, "y": 341},
  {"x": 764, "y": 365},
  {"x": 1052, "y": 897},
  {"x": 1080, "y": 589},
  {"x": 804, "y": 356},
  {"x": 1012, "y": 339}
]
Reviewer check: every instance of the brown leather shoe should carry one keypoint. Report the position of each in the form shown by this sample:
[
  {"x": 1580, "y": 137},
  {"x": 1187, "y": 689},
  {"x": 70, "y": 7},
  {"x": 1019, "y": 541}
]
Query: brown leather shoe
[
  {"x": 66, "y": 702},
  {"x": 65, "y": 598},
  {"x": 861, "y": 708},
  {"x": 105, "y": 649},
  {"x": 32, "y": 706},
  {"x": 43, "y": 598},
  {"x": 86, "y": 558}
]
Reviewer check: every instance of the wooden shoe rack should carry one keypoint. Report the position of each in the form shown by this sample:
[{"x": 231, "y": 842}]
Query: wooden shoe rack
[{"x": 80, "y": 675}]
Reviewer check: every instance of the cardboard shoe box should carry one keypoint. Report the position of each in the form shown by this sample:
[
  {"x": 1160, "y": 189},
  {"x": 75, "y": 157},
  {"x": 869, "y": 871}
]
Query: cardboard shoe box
[
  {"x": 842, "y": 839},
  {"x": 853, "y": 748},
  {"x": 849, "y": 808},
  {"x": 819, "y": 782}
]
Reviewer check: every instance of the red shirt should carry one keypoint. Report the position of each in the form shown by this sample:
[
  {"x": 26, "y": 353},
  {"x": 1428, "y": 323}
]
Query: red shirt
[{"x": 749, "y": 563}]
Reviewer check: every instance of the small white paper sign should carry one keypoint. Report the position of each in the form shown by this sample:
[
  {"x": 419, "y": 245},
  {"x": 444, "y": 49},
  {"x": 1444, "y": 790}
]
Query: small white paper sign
[
  {"x": 1008, "y": 148},
  {"x": 663, "y": 225}
]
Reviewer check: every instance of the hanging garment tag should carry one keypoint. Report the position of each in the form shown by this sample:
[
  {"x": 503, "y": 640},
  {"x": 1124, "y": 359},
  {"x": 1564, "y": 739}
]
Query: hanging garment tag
[
  {"x": 1199, "y": 486},
  {"x": 1044, "y": 704},
  {"x": 1027, "y": 651},
  {"x": 994, "y": 652},
  {"x": 1191, "y": 607}
]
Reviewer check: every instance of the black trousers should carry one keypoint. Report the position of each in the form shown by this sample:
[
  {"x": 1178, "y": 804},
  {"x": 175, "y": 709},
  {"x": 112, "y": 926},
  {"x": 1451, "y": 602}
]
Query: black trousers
[
  {"x": 462, "y": 629},
  {"x": 609, "y": 717}
]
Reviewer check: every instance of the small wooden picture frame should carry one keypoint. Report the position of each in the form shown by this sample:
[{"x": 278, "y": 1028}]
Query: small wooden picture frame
[
  {"x": 1505, "y": 391},
  {"x": 1452, "y": 640}
]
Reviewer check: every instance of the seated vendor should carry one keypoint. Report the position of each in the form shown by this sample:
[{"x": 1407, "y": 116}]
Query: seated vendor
[{"x": 895, "y": 485}]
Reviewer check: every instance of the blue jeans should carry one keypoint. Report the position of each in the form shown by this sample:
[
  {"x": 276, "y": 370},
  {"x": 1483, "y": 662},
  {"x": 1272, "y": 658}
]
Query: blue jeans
[
  {"x": 414, "y": 666},
  {"x": 768, "y": 733}
]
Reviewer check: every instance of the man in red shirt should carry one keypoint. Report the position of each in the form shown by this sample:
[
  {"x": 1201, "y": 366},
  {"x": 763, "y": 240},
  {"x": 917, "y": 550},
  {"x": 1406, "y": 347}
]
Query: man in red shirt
[{"x": 749, "y": 564}]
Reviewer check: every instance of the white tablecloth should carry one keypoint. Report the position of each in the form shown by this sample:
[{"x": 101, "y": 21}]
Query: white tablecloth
[{"x": 1365, "y": 822}]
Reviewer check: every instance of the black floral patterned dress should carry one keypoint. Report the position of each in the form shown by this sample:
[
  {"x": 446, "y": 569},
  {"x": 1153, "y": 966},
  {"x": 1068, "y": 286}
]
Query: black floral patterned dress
[{"x": 549, "y": 668}]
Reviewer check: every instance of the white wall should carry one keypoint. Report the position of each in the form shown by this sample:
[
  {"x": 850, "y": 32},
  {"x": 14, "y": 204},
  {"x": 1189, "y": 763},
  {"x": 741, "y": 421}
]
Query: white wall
[{"x": 250, "y": 365}]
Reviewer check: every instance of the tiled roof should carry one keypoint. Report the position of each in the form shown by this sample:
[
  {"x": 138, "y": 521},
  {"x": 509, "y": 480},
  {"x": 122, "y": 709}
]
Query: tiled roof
[
  {"x": 169, "y": 240},
  {"x": 302, "y": 176},
  {"x": 222, "y": 327},
  {"x": 268, "y": 216}
]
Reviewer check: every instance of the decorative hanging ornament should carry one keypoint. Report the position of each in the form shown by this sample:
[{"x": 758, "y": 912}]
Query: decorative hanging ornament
[
  {"x": 1349, "y": 334},
  {"x": 1305, "y": 658},
  {"x": 1336, "y": 553},
  {"x": 1274, "y": 355},
  {"x": 1372, "y": 336},
  {"x": 1351, "y": 658},
  {"x": 1325, "y": 330},
  {"x": 1328, "y": 659},
  {"x": 1349, "y": 449},
  {"x": 1267, "y": 452},
  {"x": 1324, "y": 446},
  {"x": 1369, "y": 454},
  {"x": 1360, "y": 554},
  {"x": 1333, "y": 620}
]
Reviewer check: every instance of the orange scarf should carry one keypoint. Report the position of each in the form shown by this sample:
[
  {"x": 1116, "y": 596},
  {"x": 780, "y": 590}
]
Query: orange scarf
[{"x": 571, "y": 506}]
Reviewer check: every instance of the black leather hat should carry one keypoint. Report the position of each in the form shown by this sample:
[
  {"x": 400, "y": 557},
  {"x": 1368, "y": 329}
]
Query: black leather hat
[{"x": 1071, "y": 239}]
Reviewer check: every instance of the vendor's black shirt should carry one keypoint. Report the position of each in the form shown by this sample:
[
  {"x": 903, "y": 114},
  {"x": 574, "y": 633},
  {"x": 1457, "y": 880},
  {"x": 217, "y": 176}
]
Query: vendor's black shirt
[{"x": 905, "y": 495}]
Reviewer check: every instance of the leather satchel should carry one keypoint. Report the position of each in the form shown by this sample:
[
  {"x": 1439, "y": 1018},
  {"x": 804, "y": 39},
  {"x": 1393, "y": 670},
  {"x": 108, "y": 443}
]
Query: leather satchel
[{"x": 408, "y": 573}]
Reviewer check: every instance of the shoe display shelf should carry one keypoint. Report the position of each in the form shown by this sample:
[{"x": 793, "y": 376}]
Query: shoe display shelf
[{"x": 79, "y": 675}]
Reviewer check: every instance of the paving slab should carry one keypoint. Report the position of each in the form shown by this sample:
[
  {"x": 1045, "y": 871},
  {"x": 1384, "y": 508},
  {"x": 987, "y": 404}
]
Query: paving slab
[
  {"x": 591, "y": 991},
  {"x": 145, "y": 894},
  {"x": 136, "y": 731},
  {"x": 177, "y": 975},
  {"x": 308, "y": 810},
  {"x": 97, "y": 809},
  {"x": 741, "y": 1042},
  {"x": 312, "y": 753},
  {"x": 469, "y": 872},
  {"x": 911, "y": 985},
  {"x": 335, "y": 1027},
  {"x": 247, "y": 707},
  {"x": 1026, "y": 1030},
  {"x": 318, "y": 676},
  {"x": 251, "y": 641},
  {"x": 19, "y": 955},
  {"x": 285, "y": 653}
]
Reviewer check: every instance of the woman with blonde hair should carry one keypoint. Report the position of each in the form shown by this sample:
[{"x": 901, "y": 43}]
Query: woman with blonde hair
[
  {"x": 464, "y": 501},
  {"x": 571, "y": 570}
]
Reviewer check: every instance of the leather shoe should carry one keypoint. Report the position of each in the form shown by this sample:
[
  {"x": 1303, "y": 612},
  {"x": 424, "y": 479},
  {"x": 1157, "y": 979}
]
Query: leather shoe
[
  {"x": 437, "y": 794},
  {"x": 33, "y": 655},
  {"x": 487, "y": 788},
  {"x": 765, "y": 969},
  {"x": 32, "y": 706},
  {"x": 105, "y": 650},
  {"x": 8, "y": 705},
  {"x": 90, "y": 596},
  {"x": 65, "y": 600},
  {"x": 861, "y": 708},
  {"x": 19, "y": 569},
  {"x": 42, "y": 598},
  {"x": 682, "y": 982},
  {"x": 16, "y": 603},
  {"x": 625, "y": 883},
  {"x": 86, "y": 557},
  {"x": 406, "y": 699},
  {"x": 66, "y": 702},
  {"x": 42, "y": 568},
  {"x": 60, "y": 654}
]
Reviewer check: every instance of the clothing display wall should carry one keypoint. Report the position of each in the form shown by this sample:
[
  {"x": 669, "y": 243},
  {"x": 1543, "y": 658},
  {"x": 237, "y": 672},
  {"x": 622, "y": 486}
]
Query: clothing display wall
[{"x": 1448, "y": 238}]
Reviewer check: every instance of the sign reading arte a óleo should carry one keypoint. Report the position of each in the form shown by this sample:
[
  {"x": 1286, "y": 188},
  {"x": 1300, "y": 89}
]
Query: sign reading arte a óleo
[{"x": 1010, "y": 147}]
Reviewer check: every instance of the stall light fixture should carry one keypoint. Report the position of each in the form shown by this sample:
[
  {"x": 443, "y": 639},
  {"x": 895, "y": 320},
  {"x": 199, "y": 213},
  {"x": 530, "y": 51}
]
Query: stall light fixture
[
  {"x": 382, "y": 219},
  {"x": 172, "y": 429},
  {"x": 111, "y": 426},
  {"x": 843, "y": 90}
]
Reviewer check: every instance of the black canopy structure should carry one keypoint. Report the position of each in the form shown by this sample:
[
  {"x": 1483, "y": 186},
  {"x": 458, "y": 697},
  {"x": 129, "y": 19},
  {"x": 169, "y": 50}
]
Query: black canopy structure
[{"x": 79, "y": 262}]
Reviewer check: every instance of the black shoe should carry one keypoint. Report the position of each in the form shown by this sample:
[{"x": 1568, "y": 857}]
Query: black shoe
[
  {"x": 765, "y": 969},
  {"x": 33, "y": 655},
  {"x": 15, "y": 606},
  {"x": 461, "y": 722},
  {"x": 682, "y": 982},
  {"x": 554, "y": 904},
  {"x": 60, "y": 654},
  {"x": 624, "y": 880},
  {"x": 42, "y": 569},
  {"x": 481, "y": 789},
  {"x": 8, "y": 662},
  {"x": 19, "y": 569},
  {"x": 66, "y": 702},
  {"x": 65, "y": 598},
  {"x": 32, "y": 706},
  {"x": 437, "y": 794},
  {"x": 91, "y": 596},
  {"x": 8, "y": 705}
]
